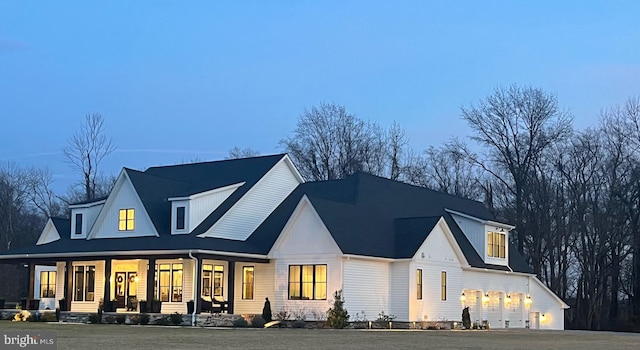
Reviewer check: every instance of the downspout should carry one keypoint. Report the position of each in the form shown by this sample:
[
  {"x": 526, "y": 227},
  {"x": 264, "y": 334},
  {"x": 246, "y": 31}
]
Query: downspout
[{"x": 195, "y": 287}]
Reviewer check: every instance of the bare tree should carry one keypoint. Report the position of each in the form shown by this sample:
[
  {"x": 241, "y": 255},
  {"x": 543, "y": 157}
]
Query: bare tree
[
  {"x": 40, "y": 181},
  {"x": 86, "y": 149},
  {"x": 516, "y": 125},
  {"x": 329, "y": 143},
  {"x": 237, "y": 153}
]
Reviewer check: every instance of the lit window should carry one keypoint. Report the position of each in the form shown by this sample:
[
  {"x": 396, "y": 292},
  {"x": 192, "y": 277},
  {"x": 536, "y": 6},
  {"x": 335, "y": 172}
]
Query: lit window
[
  {"x": 247, "y": 282},
  {"x": 78, "y": 224},
  {"x": 308, "y": 282},
  {"x": 180, "y": 218},
  {"x": 496, "y": 245},
  {"x": 443, "y": 285},
  {"x": 169, "y": 286},
  {"x": 84, "y": 282},
  {"x": 126, "y": 220},
  {"x": 419, "y": 283},
  {"x": 47, "y": 284}
]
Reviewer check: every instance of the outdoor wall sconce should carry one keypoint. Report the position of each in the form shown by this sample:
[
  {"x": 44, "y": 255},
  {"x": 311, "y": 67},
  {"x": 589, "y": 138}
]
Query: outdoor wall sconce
[
  {"x": 528, "y": 300},
  {"x": 463, "y": 297},
  {"x": 542, "y": 317},
  {"x": 507, "y": 299},
  {"x": 485, "y": 298}
]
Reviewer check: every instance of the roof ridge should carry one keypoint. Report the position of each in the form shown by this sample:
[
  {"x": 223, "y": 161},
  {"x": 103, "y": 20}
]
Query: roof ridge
[{"x": 214, "y": 161}]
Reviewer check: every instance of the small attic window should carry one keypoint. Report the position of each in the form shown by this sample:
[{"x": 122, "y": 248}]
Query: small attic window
[
  {"x": 78, "y": 229},
  {"x": 126, "y": 220},
  {"x": 496, "y": 244},
  {"x": 180, "y": 218}
]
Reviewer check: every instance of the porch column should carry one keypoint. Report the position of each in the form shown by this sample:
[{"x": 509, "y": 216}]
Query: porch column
[
  {"x": 68, "y": 284},
  {"x": 198, "y": 284},
  {"x": 107, "y": 281},
  {"x": 151, "y": 275},
  {"x": 231, "y": 286},
  {"x": 32, "y": 280}
]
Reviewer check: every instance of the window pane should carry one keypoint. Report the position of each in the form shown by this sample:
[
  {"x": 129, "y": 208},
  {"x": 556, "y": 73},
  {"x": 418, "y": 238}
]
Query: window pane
[
  {"x": 419, "y": 284},
  {"x": 78, "y": 224},
  {"x": 91, "y": 283},
  {"x": 502, "y": 245},
  {"x": 180, "y": 218},
  {"x": 443, "y": 291},
  {"x": 294, "y": 281},
  {"x": 122, "y": 214},
  {"x": 165, "y": 279},
  {"x": 78, "y": 283},
  {"x": 44, "y": 278},
  {"x": 122, "y": 225},
  {"x": 177, "y": 286},
  {"x": 206, "y": 283},
  {"x": 307, "y": 282},
  {"x": 321, "y": 282},
  {"x": 490, "y": 244},
  {"x": 247, "y": 281},
  {"x": 218, "y": 281}
]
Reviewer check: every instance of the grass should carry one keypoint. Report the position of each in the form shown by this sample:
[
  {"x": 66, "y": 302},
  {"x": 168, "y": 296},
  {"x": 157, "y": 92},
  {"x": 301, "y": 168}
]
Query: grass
[{"x": 105, "y": 337}]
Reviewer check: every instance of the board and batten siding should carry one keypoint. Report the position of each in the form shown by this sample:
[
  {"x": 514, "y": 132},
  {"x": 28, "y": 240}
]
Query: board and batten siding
[
  {"x": 122, "y": 197},
  {"x": 305, "y": 240},
  {"x": 366, "y": 287},
  {"x": 263, "y": 287},
  {"x": 88, "y": 306},
  {"x": 399, "y": 283},
  {"x": 475, "y": 232},
  {"x": 436, "y": 255},
  {"x": 260, "y": 201}
]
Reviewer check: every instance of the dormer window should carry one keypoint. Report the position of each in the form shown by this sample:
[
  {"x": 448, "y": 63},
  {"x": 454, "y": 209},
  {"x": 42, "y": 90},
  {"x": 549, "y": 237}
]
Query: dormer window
[
  {"x": 126, "y": 220},
  {"x": 78, "y": 229},
  {"x": 180, "y": 218},
  {"x": 496, "y": 244}
]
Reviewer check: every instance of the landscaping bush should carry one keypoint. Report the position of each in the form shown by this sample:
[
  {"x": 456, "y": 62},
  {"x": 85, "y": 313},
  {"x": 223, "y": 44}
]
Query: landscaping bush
[
  {"x": 383, "y": 320},
  {"x": 48, "y": 317},
  {"x": 176, "y": 318},
  {"x": 162, "y": 321},
  {"x": 299, "y": 324},
  {"x": 120, "y": 319},
  {"x": 240, "y": 323},
  {"x": 258, "y": 322},
  {"x": 337, "y": 316},
  {"x": 94, "y": 318},
  {"x": 144, "y": 319}
]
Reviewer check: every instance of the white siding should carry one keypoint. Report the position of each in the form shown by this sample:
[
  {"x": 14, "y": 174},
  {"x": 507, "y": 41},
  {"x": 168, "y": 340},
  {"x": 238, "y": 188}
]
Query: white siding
[
  {"x": 249, "y": 212},
  {"x": 263, "y": 283},
  {"x": 49, "y": 234},
  {"x": 499, "y": 283},
  {"x": 366, "y": 287},
  {"x": 436, "y": 255},
  {"x": 122, "y": 197},
  {"x": 474, "y": 230},
  {"x": 60, "y": 280},
  {"x": 399, "y": 291},
  {"x": 45, "y": 303},
  {"x": 90, "y": 306},
  {"x": 202, "y": 206}
]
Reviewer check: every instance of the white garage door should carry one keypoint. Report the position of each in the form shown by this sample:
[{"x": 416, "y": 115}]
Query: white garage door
[
  {"x": 514, "y": 309},
  {"x": 494, "y": 310}
]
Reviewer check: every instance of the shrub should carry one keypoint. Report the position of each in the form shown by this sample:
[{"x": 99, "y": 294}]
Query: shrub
[
  {"x": 48, "y": 317},
  {"x": 299, "y": 324},
  {"x": 163, "y": 321},
  {"x": 300, "y": 314},
  {"x": 258, "y": 322},
  {"x": 120, "y": 319},
  {"x": 144, "y": 319},
  {"x": 240, "y": 323},
  {"x": 94, "y": 318},
  {"x": 337, "y": 316},
  {"x": 282, "y": 315},
  {"x": 383, "y": 319},
  {"x": 176, "y": 318},
  {"x": 466, "y": 318}
]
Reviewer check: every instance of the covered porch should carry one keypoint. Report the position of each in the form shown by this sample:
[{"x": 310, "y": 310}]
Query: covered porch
[{"x": 189, "y": 282}]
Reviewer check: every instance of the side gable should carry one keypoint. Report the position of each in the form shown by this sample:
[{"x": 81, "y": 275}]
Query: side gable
[
  {"x": 304, "y": 234},
  {"x": 441, "y": 246},
  {"x": 49, "y": 233},
  {"x": 257, "y": 204},
  {"x": 123, "y": 196}
]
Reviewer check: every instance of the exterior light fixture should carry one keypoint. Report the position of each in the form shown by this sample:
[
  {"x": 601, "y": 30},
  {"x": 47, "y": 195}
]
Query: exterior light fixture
[
  {"x": 527, "y": 300},
  {"x": 543, "y": 317},
  {"x": 463, "y": 297},
  {"x": 507, "y": 299},
  {"x": 485, "y": 298}
]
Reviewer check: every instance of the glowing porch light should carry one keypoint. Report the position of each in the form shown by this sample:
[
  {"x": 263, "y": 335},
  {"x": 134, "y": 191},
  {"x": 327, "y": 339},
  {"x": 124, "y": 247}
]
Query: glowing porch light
[
  {"x": 543, "y": 317},
  {"x": 507, "y": 299},
  {"x": 463, "y": 297},
  {"x": 528, "y": 301},
  {"x": 485, "y": 298}
]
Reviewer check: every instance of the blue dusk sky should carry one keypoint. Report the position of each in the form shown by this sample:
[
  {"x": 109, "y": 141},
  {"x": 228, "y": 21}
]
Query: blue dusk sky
[{"x": 184, "y": 80}]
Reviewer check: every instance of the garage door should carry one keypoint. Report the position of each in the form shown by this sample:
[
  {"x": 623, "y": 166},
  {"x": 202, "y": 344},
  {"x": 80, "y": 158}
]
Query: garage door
[
  {"x": 514, "y": 309},
  {"x": 494, "y": 310}
]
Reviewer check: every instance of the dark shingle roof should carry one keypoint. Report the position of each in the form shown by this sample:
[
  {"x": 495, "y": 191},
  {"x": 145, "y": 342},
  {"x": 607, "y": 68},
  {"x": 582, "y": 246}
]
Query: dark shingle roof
[
  {"x": 157, "y": 184},
  {"x": 372, "y": 216}
]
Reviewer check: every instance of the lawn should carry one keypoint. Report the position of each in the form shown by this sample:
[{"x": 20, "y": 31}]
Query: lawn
[{"x": 105, "y": 337}]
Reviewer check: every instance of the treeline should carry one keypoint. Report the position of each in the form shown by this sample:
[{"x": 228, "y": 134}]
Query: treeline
[{"x": 573, "y": 195}]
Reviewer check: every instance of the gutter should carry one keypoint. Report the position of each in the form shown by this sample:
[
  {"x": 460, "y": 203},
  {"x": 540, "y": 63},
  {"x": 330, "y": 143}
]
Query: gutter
[
  {"x": 195, "y": 288},
  {"x": 129, "y": 253}
]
